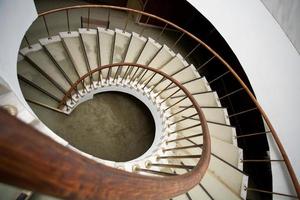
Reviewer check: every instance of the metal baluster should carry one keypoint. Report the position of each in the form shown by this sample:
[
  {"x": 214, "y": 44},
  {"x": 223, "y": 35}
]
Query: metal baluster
[
  {"x": 144, "y": 26},
  {"x": 46, "y": 26},
  {"x": 126, "y": 23},
  {"x": 159, "y": 36},
  {"x": 192, "y": 51},
  {"x": 204, "y": 64},
  {"x": 149, "y": 80},
  {"x": 68, "y": 21},
  {"x": 27, "y": 42},
  {"x": 108, "y": 17},
  {"x": 177, "y": 40},
  {"x": 89, "y": 12}
]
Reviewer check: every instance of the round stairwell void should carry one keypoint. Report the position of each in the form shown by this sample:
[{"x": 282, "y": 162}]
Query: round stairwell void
[{"x": 112, "y": 126}]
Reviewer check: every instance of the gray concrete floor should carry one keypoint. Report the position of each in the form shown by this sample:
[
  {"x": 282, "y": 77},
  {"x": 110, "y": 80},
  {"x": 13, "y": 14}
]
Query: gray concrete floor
[{"x": 113, "y": 126}]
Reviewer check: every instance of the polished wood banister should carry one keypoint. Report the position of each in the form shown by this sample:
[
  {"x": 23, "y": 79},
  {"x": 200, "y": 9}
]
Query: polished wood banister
[
  {"x": 216, "y": 55},
  {"x": 33, "y": 161}
]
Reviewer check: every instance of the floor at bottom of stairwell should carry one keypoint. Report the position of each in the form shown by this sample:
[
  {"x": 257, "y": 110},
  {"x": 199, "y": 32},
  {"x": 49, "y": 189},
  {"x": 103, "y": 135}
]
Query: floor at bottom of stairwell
[{"x": 112, "y": 126}]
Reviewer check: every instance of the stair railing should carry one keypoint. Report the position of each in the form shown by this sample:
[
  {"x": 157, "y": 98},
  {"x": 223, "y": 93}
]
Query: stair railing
[
  {"x": 214, "y": 56},
  {"x": 33, "y": 161}
]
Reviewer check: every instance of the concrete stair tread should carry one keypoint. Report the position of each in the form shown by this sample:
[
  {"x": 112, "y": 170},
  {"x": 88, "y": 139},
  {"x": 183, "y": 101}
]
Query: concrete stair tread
[
  {"x": 89, "y": 40},
  {"x": 214, "y": 187},
  {"x": 75, "y": 49},
  {"x": 215, "y": 114},
  {"x": 58, "y": 52},
  {"x": 225, "y": 151},
  {"x": 134, "y": 49},
  {"x": 233, "y": 179},
  {"x": 28, "y": 72},
  {"x": 136, "y": 46},
  {"x": 181, "y": 197},
  {"x": 106, "y": 41},
  {"x": 197, "y": 193},
  {"x": 162, "y": 57},
  {"x": 198, "y": 87},
  {"x": 9, "y": 192},
  {"x": 174, "y": 65},
  {"x": 36, "y": 95},
  {"x": 42, "y": 60},
  {"x": 205, "y": 99},
  {"x": 37, "y": 196},
  {"x": 149, "y": 51},
  {"x": 121, "y": 44},
  {"x": 224, "y": 133},
  {"x": 221, "y": 132}
]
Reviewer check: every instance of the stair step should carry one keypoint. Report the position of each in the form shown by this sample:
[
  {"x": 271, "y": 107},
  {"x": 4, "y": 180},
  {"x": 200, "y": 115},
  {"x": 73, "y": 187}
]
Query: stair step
[
  {"x": 36, "y": 95},
  {"x": 37, "y": 196},
  {"x": 174, "y": 65},
  {"x": 106, "y": 40},
  {"x": 135, "y": 48},
  {"x": 217, "y": 189},
  {"x": 41, "y": 60},
  {"x": 208, "y": 99},
  {"x": 181, "y": 197},
  {"x": 56, "y": 49},
  {"x": 194, "y": 84},
  {"x": 162, "y": 57},
  {"x": 149, "y": 51},
  {"x": 197, "y": 86},
  {"x": 224, "y": 133},
  {"x": 90, "y": 44},
  {"x": 232, "y": 178},
  {"x": 9, "y": 192},
  {"x": 197, "y": 193},
  {"x": 28, "y": 72},
  {"x": 223, "y": 150},
  {"x": 121, "y": 45},
  {"x": 214, "y": 114},
  {"x": 74, "y": 47}
]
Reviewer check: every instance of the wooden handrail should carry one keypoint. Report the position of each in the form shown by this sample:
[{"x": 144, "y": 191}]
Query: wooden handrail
[
  {"x": 237, "y": 77},
  {"x": 33, "y": 161}
]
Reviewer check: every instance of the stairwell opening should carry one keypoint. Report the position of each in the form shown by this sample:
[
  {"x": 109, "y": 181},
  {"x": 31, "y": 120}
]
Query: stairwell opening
[{"x": 112, "y": 126}]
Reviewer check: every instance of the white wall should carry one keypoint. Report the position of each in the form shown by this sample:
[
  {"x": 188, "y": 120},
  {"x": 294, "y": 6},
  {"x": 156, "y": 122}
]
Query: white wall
[
  {"x": 270, "y": 61},
  {"x": 287, "y": 14},
  {"x": 16, "y": 17}
]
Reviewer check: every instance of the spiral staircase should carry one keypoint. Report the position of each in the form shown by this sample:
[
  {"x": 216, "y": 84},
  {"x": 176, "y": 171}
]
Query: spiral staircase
[{"x": 68, "y": 68}]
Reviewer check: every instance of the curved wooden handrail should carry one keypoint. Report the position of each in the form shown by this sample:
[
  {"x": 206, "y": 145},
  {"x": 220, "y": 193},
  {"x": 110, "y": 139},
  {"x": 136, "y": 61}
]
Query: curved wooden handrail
[
  {"x": 237, "y": 77},
  {"x": 33, "y": 161}
]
